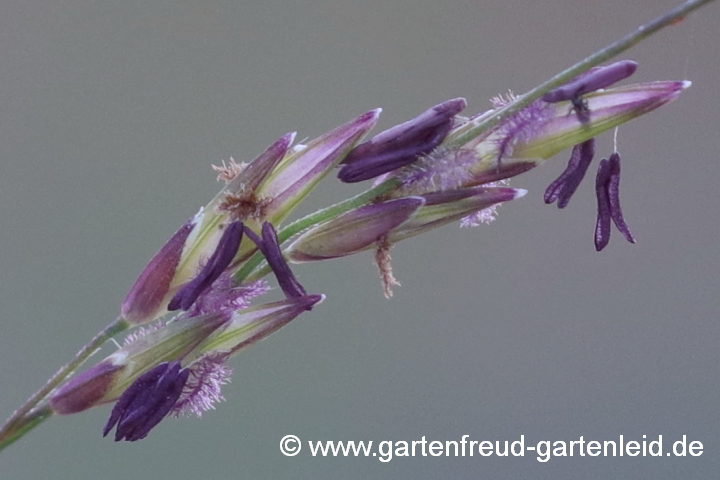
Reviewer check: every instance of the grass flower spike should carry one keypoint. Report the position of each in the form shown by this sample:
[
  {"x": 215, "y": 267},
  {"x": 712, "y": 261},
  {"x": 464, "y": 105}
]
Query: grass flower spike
[
  {"x": 107, "y": 380},
  {"x": 178, "y": 261},
  {"x": 435, "y": 169}
]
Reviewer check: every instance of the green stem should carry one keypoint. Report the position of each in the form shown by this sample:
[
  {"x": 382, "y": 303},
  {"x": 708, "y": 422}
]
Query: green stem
[
  {"x": 245, "y": 273},
  {"x": 23, "y": 419},
  {"x": 30, "y": 421}
]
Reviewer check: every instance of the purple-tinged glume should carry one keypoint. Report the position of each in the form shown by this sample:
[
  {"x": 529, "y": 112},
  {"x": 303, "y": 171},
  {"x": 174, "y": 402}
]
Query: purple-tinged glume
[
  {"x": 303, "y": 168},
  {"x": 259, "y": 169},
  {"x": 256, "y": 323},
  {"x": 356, "y": 230},
  {"x": 146, "y": 295},
  {"x": 444, "y": 207},
  {"x": 600, "y": 111},
  {"x": 222, "y": 257},
  {"x": 86, "y": 389}
]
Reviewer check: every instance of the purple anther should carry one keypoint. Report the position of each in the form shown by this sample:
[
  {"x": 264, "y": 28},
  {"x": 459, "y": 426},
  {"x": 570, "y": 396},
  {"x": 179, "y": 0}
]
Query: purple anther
[
  {"x": 147, "y": 401},
  {"x": 372, "y": 166},
  {"x": 163, "y": 402},
  {"x": 602, "y": 225},
  {"x": 221, "y": 258},
  {"x": 595, "y": 80},
  {"x": 289, "y": 284},
  {"x": 607, "y": 188},
  {"x": 272, "y": 252},
  {"x": 563, "y": 188},
  {"x": 406, "y": 131},
  {"x": 255, "y": 238},
  {"x": 613, "y": 190},
  {"x": 141, "y": 384},
  {"x": 401, "y": 144},
  {"x": 552, "y": 192}
]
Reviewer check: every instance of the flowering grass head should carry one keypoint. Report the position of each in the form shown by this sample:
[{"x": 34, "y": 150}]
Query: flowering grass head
[
  {"x": 179, "y": 366},
  {"x": 197, "y": 240},
  {"x": 432, "y": 170},
  {"x": 266, "y": 189},
  {"x": 199, "y": 345}
]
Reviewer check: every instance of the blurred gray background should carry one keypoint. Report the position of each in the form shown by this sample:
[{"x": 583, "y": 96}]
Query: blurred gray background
[{"x": 112, "y": 112}]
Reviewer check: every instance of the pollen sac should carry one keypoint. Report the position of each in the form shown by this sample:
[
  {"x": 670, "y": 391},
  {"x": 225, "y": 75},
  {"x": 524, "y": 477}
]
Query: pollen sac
[
  {"x": 594, "y": 80},
  {"x": 607, "y": 189},
  {"x": 216, "y": 265},
  {"x": 401, "y": 145},
  {"x": 147, "y": 401},
  {"x": 602, "y": 225},
  {"x": 614, "y": 197},
  {"x": 272, "y": 252},
  {"x": 563, "y": 188}
]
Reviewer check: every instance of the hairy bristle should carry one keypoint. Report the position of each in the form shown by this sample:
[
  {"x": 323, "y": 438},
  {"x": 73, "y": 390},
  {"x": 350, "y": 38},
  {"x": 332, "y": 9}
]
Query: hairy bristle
[
  {"x": 224, "y": 295},
  {"x": 487, "y": 215},
  {"x": 142, "y": 331},
  {"x": 203, "y": 387},
  {"x": 243, "y": 205},
  {"x": 440, "y": 170},
  {"x": 227, "y": 172},
  {"x": 383, "y": 260},
  {"x": 521, "y": 126},
  {"x": 500, "y": 100}
]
